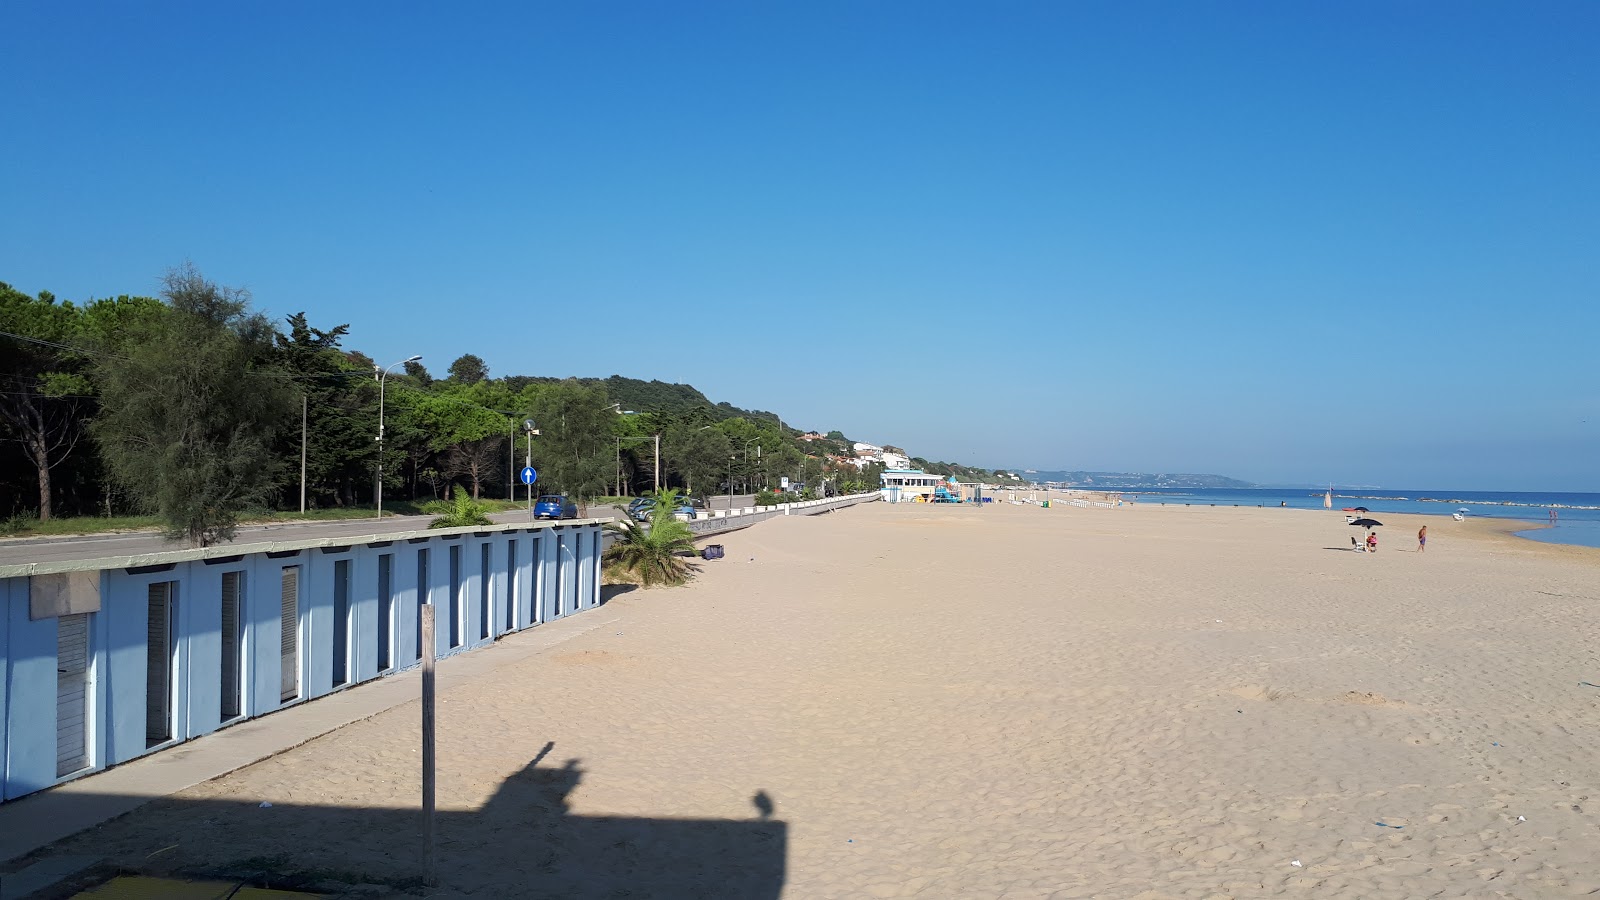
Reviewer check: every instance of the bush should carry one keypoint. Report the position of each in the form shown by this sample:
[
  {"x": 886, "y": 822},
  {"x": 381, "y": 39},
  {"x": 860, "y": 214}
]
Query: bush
[
  {"x": 768, "y": 498},
  {"x": 464, "y": 511},
  {"x": 653, "y": 554}
]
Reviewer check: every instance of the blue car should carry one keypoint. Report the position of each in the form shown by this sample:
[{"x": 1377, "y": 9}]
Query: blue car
[{"x": 555, "y": 506}]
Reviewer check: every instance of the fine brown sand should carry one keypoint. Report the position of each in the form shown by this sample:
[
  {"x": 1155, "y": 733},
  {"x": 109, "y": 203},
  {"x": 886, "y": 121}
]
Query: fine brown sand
[{"x": 1002, "y": 702}]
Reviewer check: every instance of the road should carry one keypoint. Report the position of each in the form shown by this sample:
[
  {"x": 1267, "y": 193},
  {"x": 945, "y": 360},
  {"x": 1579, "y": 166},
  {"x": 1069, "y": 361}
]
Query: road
[{"x": 20, "y": 551}]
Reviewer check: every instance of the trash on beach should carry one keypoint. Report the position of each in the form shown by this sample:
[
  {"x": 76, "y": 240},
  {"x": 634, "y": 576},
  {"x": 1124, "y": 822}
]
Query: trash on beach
[
  {"x": 1296, "y": 863},
  {"x": 1387, "y": 825},
  {"x": 265, "y": 805},
  {"x": 1522, "y": 818},
  {"x": 1588, "y": 684},
  {"x": 1494, "y": 743}
]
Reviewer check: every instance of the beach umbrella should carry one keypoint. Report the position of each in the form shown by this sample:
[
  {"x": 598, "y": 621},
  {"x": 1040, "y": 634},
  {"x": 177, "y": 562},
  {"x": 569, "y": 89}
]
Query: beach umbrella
[
  {"x": 1365, "y": 523},
  {"x": 1360, "y": 509}
]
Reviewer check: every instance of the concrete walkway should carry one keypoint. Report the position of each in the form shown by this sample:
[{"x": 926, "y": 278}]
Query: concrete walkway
[{"x": 40, "y": 819}]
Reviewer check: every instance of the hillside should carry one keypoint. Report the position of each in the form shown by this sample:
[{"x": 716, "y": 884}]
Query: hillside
[{"x": 1131, "y": 480}]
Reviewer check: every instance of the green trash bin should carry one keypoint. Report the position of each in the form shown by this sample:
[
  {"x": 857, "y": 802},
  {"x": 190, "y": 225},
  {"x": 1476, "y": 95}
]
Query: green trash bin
[{"x": 1046, "y": 504}]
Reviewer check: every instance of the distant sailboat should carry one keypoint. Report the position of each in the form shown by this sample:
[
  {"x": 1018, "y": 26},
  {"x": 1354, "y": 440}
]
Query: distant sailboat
[{"x": 1327, "y": 499}]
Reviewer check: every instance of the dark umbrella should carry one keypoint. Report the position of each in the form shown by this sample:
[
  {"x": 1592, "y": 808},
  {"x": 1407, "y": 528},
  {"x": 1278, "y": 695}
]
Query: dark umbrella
[
  {"x": 1365, "y": 523},
  {"x": 1359, "y": 509}
]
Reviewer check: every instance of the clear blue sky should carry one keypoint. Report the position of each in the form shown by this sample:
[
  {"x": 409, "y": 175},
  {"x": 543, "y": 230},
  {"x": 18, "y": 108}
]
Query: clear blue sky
[{"x": 1280, "y": 241}]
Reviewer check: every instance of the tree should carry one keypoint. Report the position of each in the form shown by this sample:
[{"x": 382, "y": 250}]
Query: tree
[
  {"x": 341, "y": 403},
  {"x": 191, "y": 407},
  {"x": 42, "y": 388},
  {"x": 467, "y": 436},
  {"x": 576, "y": 447},
  {"x": 700, "y": 457},
  {"x": 468, "y": 369},
  {"x": 419, "y": 372}
]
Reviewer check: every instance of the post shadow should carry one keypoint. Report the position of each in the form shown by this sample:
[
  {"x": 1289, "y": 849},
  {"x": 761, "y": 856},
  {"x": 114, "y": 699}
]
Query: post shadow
[{"x": 524, "y": 842}]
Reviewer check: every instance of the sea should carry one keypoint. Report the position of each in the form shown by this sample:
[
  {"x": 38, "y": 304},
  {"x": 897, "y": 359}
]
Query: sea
[{"x": 1578, "y": 515}]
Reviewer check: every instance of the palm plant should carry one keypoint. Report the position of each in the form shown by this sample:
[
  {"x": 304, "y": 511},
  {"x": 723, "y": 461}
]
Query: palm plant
[
  {"x": 462, "y": 512},
  {"x": 654, "y": 553}
]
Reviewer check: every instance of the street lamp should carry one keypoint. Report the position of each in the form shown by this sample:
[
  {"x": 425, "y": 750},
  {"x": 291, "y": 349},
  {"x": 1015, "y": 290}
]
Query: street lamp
[
  {"x": 381, "y": 375},
  {"x": 747, "y": 459},
  {"x": 527, "y": 425},
  {"x": 731, "y": 458}
]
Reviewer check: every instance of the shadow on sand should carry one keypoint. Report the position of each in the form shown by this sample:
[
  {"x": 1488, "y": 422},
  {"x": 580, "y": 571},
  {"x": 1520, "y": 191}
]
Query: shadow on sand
[{"x": 523, "y": 843}]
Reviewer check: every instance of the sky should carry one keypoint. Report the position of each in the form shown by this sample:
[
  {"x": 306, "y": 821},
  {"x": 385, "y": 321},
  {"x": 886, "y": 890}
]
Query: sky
[{"x": 1290, "y": 243}]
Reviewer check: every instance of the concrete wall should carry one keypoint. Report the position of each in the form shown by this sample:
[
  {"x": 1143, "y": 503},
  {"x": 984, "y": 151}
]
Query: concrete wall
[
  {"x": 556, "y": 573},
  {"x": 721, "y": 520}
]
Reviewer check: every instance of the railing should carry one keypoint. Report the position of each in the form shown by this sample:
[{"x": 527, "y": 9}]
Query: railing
[{"x": 719, "y": 521}]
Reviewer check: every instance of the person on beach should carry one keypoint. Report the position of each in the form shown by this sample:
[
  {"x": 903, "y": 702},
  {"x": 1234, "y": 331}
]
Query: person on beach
[
  {"x": 1372, "y": 541},
  {"x": 1422, "y": 539}
]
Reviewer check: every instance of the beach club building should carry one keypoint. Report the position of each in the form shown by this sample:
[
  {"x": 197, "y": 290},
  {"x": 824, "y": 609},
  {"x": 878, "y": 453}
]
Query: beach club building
[
  {"x": 108, "y": 660},
  {"x": 906, "y": 485}
]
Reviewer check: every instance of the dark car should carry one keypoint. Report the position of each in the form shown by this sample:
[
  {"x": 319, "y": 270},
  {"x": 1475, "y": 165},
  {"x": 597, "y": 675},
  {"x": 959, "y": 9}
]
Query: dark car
[
  {"x": 681, "y": 506},
  {"x": 555, "y": 506}
]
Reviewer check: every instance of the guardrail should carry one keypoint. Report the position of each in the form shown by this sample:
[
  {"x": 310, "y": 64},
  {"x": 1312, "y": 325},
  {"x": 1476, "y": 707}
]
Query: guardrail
[{"x": 720, "y": 521}]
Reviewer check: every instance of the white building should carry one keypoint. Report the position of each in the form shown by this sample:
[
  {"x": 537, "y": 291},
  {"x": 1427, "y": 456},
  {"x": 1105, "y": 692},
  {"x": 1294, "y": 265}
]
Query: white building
[{"x": 906, "y": 485}]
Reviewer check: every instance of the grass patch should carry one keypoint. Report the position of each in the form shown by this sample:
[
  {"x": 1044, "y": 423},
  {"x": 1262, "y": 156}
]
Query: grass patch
[{"x": 23, "y": 525}]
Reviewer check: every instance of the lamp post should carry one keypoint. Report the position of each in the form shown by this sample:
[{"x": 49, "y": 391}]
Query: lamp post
[
  {"x": 527, "y": 425},
  {"x": 383, "y": 374},
  {"x": 731, "y": 458},
  {"x": 747, "y": 460}
]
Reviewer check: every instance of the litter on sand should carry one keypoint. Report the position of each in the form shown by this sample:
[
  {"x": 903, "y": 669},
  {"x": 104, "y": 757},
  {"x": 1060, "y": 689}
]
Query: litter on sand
[
  {"x": 1387, "y": 825},
  {"x": 265, "y": 805},
  {"x": 1296, "y": 863}
]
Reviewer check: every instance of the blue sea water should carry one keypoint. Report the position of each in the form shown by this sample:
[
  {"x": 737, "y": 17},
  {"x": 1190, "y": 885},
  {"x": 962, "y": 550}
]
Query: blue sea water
[{"x": 1578, "y": 522}]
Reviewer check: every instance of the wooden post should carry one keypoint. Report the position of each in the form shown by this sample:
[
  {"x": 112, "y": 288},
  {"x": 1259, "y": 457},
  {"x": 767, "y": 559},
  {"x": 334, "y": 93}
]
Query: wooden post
[{"x": 428, "y": 872}]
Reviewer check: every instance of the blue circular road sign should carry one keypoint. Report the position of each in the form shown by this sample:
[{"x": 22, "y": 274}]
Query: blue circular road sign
[{"x": 529, "y": 475}]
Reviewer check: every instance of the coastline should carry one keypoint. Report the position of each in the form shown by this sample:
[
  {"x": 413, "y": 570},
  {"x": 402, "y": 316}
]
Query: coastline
[{"x": 939, "y": 700}]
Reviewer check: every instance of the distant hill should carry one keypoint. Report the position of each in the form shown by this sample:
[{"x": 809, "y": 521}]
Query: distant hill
[
  {"x": 661, "y": 396},
  {"x": 1131, "y": 480}
]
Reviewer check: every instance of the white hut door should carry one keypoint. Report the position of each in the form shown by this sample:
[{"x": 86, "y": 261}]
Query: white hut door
[
  {"x": 158, "y": 666},
  {"x": 72, "y": 693},
  {"x": 289, "y": 629}
]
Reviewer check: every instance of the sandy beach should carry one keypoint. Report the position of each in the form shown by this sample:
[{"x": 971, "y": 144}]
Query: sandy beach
[{"x": 930, "y": 701}]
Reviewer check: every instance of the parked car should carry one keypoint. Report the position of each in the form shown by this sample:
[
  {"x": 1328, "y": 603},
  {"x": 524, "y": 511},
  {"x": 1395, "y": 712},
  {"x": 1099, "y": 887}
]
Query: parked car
[
  {"x": 555, "y": 506},
  {"x": 686, "y": 507}
]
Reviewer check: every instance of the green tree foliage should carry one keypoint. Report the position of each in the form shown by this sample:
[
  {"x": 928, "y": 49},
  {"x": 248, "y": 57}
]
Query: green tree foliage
[
  {"x": 43, "y": 392},
  {"x": 659, "y": 553},
  {"x": 191, "y": 409},
  {"x": 341, "y": 413},
  {"x": 469, "y": 439},
  {"x": 468, "y": 369},
  {"x": 576, "y": 449}
]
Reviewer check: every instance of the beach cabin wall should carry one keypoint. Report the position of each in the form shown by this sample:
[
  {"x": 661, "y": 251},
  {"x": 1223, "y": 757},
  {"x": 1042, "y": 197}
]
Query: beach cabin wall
[{"x": 167, "y": 647}]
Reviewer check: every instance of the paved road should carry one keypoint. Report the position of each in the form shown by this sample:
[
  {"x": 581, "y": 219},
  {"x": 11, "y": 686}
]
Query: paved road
[{"x": 19, "y": 551}]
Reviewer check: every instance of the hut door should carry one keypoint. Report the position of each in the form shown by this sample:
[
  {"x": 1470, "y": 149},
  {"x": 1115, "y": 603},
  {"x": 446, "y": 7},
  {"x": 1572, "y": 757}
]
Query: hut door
[
  {"x": 158, "y": 665},
  {"x": 289, "y": 629},
  {"x": 72, "y": 693}
]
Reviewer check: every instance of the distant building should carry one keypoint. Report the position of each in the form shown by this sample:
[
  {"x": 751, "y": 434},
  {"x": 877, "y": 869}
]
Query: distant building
[
  {"x": 906, "y": 485},
  {"x": 812, "y": 436},
  {"x": 893, "y": 460}
]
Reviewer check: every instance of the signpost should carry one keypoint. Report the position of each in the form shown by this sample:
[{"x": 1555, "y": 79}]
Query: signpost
[{"x": 529, "y": 475}]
